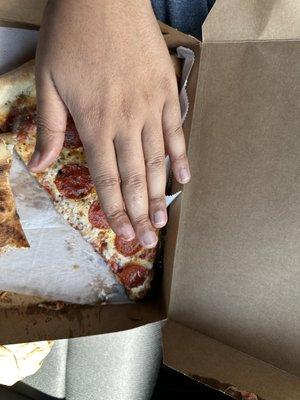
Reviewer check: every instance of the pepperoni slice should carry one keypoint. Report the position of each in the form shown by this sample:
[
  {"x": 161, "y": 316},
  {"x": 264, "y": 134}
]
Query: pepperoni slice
[
  {"x": 133, "y": 275},
  {"x": 127, "y": 248},
  {"x": 97, "y": 217},
  {"x": 148, "y": 254},
  {"x": 21, "y": 119},
  {"x": 72, "y": 139},
  {"x": 114, "y": 266},
  {"x": 74, "y": 181},
  {"x": 48, "y": 189}
]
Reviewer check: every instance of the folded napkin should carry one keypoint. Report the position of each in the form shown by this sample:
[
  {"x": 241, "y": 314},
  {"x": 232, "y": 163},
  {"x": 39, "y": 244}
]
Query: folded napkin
[{"x": 17, "y": 361}]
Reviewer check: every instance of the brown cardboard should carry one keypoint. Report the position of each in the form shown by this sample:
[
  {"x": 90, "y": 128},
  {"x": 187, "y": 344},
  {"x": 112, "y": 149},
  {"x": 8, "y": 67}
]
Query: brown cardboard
[
  {"x": 25, "y": 13},
  {"x": 231, "y": 279},
  {"x": 236, "y": 272},
  {"x": 237, "y": 266},
  {"x": 239, "y": 20},
  {"x": 23, "y": 320},
  {"x": 199, "y": 356}
]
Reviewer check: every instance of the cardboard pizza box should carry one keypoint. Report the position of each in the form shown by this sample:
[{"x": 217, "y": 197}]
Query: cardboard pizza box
[{"x": 231, "y": 285}]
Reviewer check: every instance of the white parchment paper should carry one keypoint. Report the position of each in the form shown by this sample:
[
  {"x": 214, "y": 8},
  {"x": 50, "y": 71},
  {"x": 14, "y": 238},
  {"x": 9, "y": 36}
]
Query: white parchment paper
[{"x": 59, "y": 263}]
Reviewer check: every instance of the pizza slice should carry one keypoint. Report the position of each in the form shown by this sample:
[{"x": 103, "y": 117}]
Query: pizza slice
[
  {"x": 70, "y": 186},
  {"x": 11, "y": 233}
]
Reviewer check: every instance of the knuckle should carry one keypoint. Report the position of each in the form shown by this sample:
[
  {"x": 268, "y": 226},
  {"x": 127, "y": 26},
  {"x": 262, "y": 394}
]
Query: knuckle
[
  {"x": 148, "y": 97},
  {"x": 47, "y": 133},
  {"x": 92, "y": 115},
  {"x": 174, "y": 132},
  {"x": 135, "y": 182},
  {"x": 105, "y": 181},
  {"x": 125, "y": 145},
  {"x": 115, "y": 213},
  {"x": 156, "y": 162},
  {"x": 180, "y": 157},
  {"x": 127, "y": 111},
  {"x": 158, "y": 200},
  {"x": 142, "y": 220},
  {"x": 166, "y": 82}
]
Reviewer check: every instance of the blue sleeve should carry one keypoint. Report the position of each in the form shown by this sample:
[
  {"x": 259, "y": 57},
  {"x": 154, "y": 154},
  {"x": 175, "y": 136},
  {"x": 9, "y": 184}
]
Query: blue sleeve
[{"x": 185, "y": 15}]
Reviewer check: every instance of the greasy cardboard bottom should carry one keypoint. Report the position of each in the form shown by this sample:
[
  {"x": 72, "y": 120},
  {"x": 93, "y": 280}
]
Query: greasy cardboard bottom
[{"x": 23, "y": 320}]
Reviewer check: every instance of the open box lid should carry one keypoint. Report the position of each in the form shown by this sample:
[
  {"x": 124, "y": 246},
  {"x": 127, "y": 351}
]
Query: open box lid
[{"x": 234, "y": 311}]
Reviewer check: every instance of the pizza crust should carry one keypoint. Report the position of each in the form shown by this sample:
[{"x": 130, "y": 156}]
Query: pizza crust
[
  {"x": 17, "y": 361},
  {"x": 15, "y": 83},
  {"x": 11, "y": 232}
]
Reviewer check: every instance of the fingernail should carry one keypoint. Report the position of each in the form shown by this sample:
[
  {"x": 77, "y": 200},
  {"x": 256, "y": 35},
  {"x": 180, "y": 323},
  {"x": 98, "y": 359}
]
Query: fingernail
[
  {"x": 149, "y": 239},
  {"x": 159, "y": 218},
  {"x": 127, "y": 232},
  {"x": 184, "y": 175},
  {"x": 34, "y": 160}
]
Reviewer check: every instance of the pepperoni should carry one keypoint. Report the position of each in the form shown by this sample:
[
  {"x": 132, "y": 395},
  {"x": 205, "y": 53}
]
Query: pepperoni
[
  {"x": 114, "y": 266},
  {"x": 48, "y": 189},
  {"x": 72, "y": 139},
  {"x": 74, "y": 181},
  {"x": 148, "y": 254},
  {"x": 21, "y": 119},
  {"x": 133, "y": 275},
  {"x": 127, "y": 248},
  {"x": 97, "y": 217},
  {"x": 21, "y": 136}
]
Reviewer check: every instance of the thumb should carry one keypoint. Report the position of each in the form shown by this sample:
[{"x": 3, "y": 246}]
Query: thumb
[{"x": 51, "y": 125}]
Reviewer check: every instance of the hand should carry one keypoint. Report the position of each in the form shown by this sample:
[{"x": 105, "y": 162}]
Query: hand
[{"x": 107, "y": 63}]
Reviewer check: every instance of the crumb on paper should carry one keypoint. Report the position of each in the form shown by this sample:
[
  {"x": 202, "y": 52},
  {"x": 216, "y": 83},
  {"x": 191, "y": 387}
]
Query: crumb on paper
[
  {"x": 52, "y": 305},
  {"x": 4, "y": 297},
  {"x": 70, "y": 244},
  {"x": 76, "y": 266},
  {"x": 102, "y": 290}
]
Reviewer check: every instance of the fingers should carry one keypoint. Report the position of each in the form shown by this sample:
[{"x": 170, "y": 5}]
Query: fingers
[
  {"x": 51, "y": 125},
  {"x": 154, "y": 153},
  {"x": 174, "y": 138},
  {"x": 131, "y": 164},
  {"x": 104, "y": 170}
]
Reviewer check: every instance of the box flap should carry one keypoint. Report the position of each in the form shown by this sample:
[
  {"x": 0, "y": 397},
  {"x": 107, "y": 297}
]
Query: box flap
[
  {"x": 223, "y": 367},
  {"x": 231, "y": 20},
  {"x": 27, "y": 319},
  {"x": 236, "y": 268},
  {"x": 22, "y": 12}
]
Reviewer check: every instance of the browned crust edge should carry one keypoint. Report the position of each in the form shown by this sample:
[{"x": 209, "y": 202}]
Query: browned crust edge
[{"x": 11, "y": 232}]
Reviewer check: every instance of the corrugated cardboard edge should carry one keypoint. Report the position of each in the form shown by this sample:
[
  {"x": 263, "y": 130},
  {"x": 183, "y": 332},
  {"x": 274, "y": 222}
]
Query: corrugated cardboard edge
[
  {"x": 175, "y": 39},
  {"x": 195, "y": 355}
]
